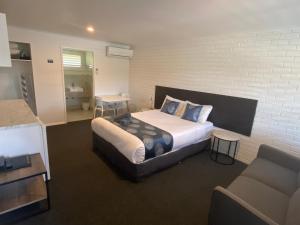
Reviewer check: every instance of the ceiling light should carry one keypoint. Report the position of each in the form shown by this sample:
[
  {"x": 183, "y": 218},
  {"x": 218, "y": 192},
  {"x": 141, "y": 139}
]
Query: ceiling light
[{"x": 90, "y": 29}]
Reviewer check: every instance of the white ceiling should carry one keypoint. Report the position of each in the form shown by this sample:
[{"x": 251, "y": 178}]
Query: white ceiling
[{"x": 139, "y": 21}]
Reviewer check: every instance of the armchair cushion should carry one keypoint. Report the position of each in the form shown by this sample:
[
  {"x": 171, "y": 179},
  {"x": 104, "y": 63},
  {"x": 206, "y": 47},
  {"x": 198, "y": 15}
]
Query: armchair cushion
[
  {"x": 265, "y": 199},
  {"x": 273, "y": 175},
  {"x": 293, "y": 213},
  {"x": 269, "y": 189},
  {"x": 229, "y": 209}
]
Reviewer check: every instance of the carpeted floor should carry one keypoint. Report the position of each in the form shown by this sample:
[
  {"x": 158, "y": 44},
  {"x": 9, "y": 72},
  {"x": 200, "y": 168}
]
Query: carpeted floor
[{"x": 86, "y": 191}]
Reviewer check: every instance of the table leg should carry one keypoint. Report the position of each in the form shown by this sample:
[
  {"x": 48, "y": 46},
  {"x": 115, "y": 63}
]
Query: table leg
[
  {"x": 116, "y": 110},
  {"x": 213, "y": 144},
  {"x": 127, "y": 105},
  {"x": 229, "y": 148},
  {"x": 217, "y": 153},
  {"x": 233, "y": 159},
  {"x": 47, "y": 189}
]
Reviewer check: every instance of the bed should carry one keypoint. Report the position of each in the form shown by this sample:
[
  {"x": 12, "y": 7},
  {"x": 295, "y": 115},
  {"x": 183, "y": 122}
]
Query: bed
[
  {"x": 127, "y": 152},
  {"x": 184, "y": 133}
]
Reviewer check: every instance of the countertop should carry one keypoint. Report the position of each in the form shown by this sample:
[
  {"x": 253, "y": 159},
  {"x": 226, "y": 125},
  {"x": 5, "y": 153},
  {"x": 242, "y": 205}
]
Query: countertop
[{"x": 16, "y": 113}]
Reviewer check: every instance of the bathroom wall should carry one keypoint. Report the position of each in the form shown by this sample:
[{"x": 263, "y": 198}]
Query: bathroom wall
[
  {"x": 111, "y": 76},
  {"x": 79, "y": 77},
  {"x": 75, "y": 99}
]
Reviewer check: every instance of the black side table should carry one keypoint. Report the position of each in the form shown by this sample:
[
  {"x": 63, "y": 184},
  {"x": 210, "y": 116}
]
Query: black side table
[{"x": 226, "y": 157}]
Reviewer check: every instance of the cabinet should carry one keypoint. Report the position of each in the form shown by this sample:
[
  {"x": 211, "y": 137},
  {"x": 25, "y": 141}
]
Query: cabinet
[{"x": 5, "y": 60}]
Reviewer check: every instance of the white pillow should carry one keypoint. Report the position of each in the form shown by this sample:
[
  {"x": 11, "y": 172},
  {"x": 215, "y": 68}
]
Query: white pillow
[
  {"x": 180, "y": 109},
  {"x": 204, "y": 113}
]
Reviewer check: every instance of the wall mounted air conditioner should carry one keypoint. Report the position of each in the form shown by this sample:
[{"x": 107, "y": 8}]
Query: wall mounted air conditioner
[{"x": 119, "y": 52}]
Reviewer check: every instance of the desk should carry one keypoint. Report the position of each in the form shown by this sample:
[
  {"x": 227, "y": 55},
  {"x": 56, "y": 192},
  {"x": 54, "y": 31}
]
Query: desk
[{"x": 114, "y": 99}]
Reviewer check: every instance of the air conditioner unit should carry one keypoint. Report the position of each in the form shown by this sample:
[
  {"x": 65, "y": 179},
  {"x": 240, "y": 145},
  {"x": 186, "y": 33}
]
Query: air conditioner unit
[{"x": 119, "y": 52}]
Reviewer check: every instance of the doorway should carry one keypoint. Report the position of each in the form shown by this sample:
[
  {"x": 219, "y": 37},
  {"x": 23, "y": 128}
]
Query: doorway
[{"x": 78, "y": 78}]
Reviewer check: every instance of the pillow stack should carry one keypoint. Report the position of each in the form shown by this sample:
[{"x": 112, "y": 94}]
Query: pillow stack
[{"x": 186, "y": 110}]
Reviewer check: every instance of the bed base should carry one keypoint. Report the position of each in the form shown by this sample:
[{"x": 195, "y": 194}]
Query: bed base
[{"x": 136, "y": 172}]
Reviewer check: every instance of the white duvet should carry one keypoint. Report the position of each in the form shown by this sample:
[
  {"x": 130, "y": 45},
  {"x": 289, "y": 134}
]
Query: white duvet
[{"x": 184, "y": 133}]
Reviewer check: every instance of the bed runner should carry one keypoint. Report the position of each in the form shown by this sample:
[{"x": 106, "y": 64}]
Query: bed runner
[{"x": 156, "y": 140}]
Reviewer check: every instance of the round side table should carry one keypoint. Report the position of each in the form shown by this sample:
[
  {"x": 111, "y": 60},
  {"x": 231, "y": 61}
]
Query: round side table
[{"x": 225, "y": 157}]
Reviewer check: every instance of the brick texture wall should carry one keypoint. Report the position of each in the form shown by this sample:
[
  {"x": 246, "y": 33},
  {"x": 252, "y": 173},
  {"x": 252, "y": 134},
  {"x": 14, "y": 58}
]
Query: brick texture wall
[{"x": 262, "y": 65}]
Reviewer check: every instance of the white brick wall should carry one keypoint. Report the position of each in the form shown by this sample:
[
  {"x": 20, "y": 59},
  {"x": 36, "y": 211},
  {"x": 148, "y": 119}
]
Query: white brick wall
[{"x": 262, "y": 65}]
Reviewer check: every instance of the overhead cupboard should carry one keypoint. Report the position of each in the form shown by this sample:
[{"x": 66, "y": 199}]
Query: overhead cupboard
[{"x": 4, "y": 45}]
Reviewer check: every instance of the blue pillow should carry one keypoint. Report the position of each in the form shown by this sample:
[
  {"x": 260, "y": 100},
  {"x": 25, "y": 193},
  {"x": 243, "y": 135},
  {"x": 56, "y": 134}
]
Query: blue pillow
[
  {"x": 192, "y": 112},
  {"x": 169, "y": 107}
]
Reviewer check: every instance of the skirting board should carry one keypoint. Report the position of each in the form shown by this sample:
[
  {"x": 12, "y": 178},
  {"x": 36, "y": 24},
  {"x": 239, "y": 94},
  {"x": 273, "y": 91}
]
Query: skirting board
[{"x": 54, "y": 124}]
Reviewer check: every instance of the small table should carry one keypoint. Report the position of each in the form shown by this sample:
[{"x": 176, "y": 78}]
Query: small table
[
  {"x": 115, "y": 99},
  {"x": 226, "y": 158}
]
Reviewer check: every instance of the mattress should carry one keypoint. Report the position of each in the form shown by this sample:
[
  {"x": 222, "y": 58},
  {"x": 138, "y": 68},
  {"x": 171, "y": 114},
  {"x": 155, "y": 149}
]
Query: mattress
[{"x": 184, "y": 133}]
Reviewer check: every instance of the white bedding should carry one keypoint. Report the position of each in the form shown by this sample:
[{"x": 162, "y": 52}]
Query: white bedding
[{"x": 184, "y": 133}]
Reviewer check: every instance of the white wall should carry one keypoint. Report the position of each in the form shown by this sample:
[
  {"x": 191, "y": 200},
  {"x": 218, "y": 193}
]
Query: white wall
[
  {"x": 4, "y": 48},
  {"x": 263, "y": 66},
  {"x": 9, "y": 84},
  {"x": 112, "y": 77},
  {"x": 10, "y": 79}
]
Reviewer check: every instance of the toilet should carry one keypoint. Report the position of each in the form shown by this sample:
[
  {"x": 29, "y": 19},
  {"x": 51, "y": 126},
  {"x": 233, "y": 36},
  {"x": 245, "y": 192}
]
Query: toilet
[{"x": 85, "y": 106}]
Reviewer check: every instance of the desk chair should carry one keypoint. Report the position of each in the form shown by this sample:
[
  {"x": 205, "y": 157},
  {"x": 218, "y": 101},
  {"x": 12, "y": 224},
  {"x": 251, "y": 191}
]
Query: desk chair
[{"x": 103, "y": 106}]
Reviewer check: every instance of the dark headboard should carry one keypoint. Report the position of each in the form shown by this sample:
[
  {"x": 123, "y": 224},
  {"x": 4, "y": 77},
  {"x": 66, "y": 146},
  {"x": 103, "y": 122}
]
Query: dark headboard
[{"x": 230, "y": 113}]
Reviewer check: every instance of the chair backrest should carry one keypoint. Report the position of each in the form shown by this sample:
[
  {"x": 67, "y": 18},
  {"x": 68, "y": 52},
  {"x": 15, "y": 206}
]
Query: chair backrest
[
  {"x": 126, "y": 95},
  {"x": 98, "y": 101}
]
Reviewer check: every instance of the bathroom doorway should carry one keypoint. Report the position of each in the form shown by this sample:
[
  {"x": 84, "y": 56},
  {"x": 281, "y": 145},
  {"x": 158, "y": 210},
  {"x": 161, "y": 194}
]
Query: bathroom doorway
[{"x": 78, "y": 78}]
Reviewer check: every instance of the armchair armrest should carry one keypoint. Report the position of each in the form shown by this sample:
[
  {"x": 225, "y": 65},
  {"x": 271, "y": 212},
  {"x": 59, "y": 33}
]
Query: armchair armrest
[
  {"x": 279, "y": 157},
  {"x": 228, "y": 209}
]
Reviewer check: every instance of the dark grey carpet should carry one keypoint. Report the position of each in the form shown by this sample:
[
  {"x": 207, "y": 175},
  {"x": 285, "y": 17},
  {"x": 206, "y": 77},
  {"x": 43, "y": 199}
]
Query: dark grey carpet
[{"x": 86, "y": 191}]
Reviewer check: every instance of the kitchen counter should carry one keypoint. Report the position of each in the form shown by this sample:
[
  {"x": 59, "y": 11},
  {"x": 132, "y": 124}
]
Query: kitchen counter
[
  {"x": 21, "y": 132},
  {"x": 16, "y": 113}
]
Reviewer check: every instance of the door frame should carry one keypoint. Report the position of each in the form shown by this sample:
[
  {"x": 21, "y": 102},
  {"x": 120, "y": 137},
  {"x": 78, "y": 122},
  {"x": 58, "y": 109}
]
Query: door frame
[{"x": 63, "y": 76}]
